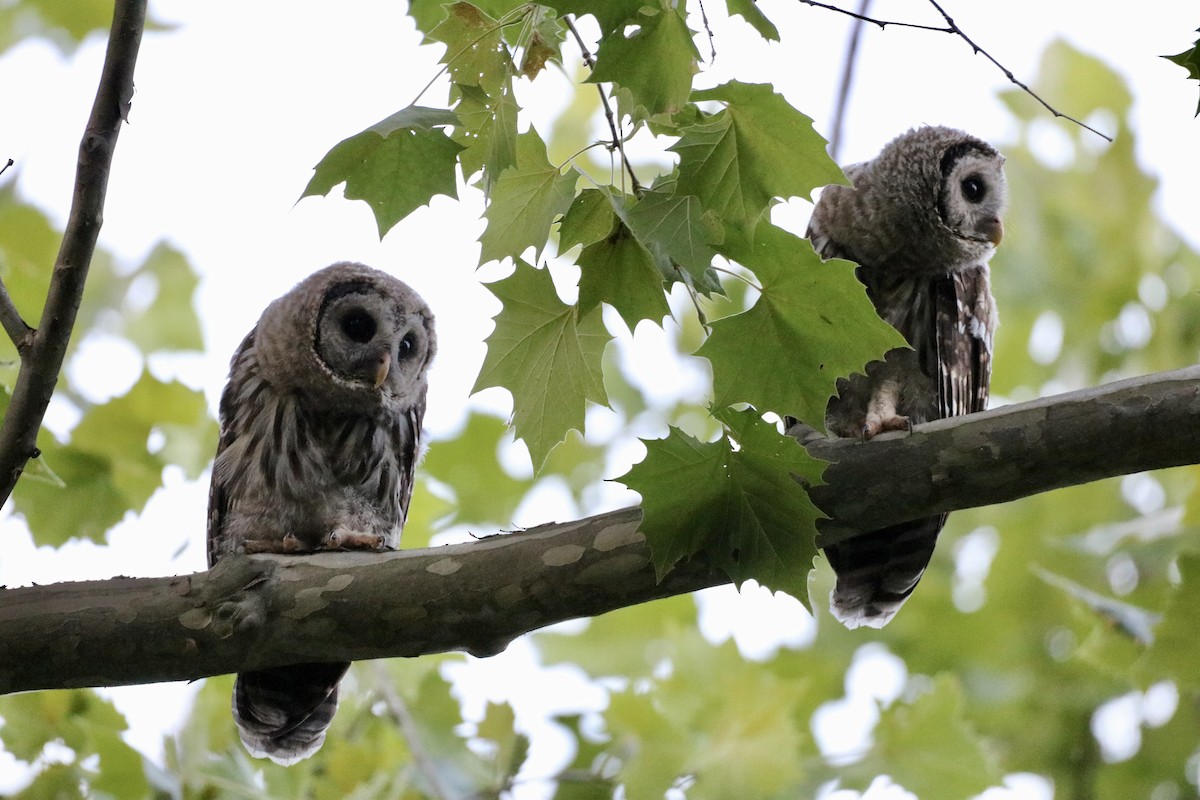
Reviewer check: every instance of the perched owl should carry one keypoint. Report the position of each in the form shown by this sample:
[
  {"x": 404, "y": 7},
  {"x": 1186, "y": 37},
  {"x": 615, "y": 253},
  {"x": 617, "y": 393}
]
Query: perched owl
[
  {"x": 320, "y": 433},
  {"x": 921, "y": 220}
]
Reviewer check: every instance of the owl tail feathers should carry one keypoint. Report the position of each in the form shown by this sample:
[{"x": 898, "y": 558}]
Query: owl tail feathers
[
  {"x": 283, "y": 713},
  {"x": 876, "y": 572}
]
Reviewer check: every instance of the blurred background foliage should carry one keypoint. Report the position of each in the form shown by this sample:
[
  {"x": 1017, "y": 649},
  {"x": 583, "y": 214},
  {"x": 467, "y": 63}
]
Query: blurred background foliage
[{"x": 1035, "y": 622}]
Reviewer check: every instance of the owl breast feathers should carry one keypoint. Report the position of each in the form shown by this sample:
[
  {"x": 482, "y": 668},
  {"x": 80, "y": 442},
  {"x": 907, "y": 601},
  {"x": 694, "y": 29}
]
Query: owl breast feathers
[
  {"x": 921, "y": 220},
  {"x": 320, "y": 434}
]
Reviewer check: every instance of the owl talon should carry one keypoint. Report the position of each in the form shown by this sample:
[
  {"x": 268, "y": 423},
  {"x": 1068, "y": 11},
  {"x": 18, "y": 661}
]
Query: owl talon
[
  {"x": 873, "y": 427},
  {"x": 352, "y": 540}
]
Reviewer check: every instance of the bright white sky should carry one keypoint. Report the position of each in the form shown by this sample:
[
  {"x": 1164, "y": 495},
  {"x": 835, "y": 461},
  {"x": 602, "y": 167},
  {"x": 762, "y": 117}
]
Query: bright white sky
[{"x": 235, "y": 106}]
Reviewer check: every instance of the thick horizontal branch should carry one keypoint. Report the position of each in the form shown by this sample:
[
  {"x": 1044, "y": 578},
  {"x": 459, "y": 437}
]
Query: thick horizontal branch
[{"x": 253, "y": 612}]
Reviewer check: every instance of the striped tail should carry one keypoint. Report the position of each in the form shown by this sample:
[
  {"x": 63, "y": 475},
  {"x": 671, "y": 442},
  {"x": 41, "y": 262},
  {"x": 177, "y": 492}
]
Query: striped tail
[
  {"x": 283, "y": 713},
  {"x": 876, "y": 572}
]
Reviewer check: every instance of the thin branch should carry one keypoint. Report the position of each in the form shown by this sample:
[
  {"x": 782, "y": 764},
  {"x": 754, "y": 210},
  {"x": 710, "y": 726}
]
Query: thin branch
[
  {"x": 847, "y": 80},
  {"x": 712, "y": 42},
  {"x": 266, "y": 611},
  {"x": 412, "y": 734},
  {"x": 4, "y": 169},
  {"x": 880, "y": 22},
  {"x": 10, "y": 318},
  {"x": 1012, "y": 78},
  {"x": 47, "y": 347},
  {"x": 953, "y": 29},
  {"x": 617, "y": 141}
]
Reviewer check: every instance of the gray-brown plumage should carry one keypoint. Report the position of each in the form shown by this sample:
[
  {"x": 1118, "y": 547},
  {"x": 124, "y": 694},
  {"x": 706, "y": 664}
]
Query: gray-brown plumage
[
  {"x": 320, "y": 433},
  {"x": 921, "y": 220}
]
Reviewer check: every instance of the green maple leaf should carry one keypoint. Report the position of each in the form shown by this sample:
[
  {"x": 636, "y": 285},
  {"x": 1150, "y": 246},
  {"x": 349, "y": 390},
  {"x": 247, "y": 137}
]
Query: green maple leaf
[
  {"x": 547, "y": 354},
  {"x": 1174, "y": 651},
  {"x": 589, "y": 219},
  {"x": 525, "y": 202},
  {"x": 1190, "y": 60},
  {"x": 654, "y": 64},
  {"x": 750, "y": 12},
  {"x": 675, "y": 228},
  {"x": 396, "y": 165},
  {"x": 929, "y": 748},
  {"x": 475, "y": 52},
  {"x": 756, "y": 149},
  {"x": 812, "y": 324},
  {"x": 488, "y": 132},
  {"x": 619, "y": 271},
  {"x": 735, "y": 500},
  {"x": 610, "y": 14}
]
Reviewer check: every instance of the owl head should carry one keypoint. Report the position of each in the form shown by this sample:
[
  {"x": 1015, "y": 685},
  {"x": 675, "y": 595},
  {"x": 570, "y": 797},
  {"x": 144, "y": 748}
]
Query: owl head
[
  {"x": 348, "y": 337},
  {"x": 930, "y": 202}
]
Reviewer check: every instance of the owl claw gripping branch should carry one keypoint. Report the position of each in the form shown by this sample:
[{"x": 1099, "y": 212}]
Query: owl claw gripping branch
[
  {"x": 922, "y": 220},
  {"x": 320, "y": 433}
]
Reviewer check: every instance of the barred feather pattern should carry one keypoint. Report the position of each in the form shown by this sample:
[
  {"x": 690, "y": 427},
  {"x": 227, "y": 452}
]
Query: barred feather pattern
[
  {"x": 310, "y": 458},
  {"x": 921, "y": 220}
]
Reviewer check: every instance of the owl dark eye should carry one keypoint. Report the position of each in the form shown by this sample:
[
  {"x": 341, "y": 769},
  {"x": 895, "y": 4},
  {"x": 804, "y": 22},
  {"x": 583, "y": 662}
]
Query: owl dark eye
[
  {"x": 974, "y": 189},
  {"x": 405, "y": 348},
  {"x": 358, "y": 325}
]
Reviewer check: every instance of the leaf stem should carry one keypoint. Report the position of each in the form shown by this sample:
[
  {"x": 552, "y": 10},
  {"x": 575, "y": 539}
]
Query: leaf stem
[{"x": 617, "y": 140}]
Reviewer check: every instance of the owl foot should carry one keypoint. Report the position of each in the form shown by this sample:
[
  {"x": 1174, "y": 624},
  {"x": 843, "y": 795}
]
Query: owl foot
[
  {"x": 288, "y": 544},
  {"x": 876, "y": 425},
  {"x": 342, "y": 539}
]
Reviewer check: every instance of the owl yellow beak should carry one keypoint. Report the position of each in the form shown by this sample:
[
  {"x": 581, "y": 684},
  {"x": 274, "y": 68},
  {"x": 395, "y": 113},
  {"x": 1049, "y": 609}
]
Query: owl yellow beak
[
  {"x": 993, "y": 230},
  {"x": 381, "y": 372}
]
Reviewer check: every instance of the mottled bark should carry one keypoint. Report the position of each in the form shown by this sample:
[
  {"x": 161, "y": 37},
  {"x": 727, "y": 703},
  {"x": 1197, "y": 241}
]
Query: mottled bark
[{"x": 261, "y": 611}]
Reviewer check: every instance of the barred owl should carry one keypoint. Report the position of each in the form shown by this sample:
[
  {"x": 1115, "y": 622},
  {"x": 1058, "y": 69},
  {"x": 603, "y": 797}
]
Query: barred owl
[
  {"x": 320, "y": 433},
  {"x": 922, "y": 220}
]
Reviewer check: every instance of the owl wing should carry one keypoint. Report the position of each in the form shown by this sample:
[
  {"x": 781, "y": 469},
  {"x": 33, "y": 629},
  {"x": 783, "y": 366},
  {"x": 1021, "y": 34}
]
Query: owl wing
[
  {"x": 236, "y": 406},
  {"x": 966, "y": 323}
]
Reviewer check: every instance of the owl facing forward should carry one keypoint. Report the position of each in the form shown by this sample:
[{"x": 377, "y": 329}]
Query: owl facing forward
[
  {"x": 320, "y": 433},
  {"x": 922, "y": 220}
]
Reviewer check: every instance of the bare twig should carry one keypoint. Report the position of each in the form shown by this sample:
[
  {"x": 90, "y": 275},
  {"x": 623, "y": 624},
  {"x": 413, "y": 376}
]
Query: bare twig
[
  {"x": 4, "y": 169},
  {"x": 10, "y": 318},
  {"x": 712, "y": 43},
  {"x": 617, "y": 140},
  {"x": 48, "y": 345},
  {"x": 952, "y": 28},
  {"x": 411, "y": 733},
  {"x": 882, "y": 23},
  {"x": 1008, "y": 74},
  {"x": 843, "y": 97}
]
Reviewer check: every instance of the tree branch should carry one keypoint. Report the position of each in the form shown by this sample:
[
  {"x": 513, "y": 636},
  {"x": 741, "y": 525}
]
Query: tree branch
[
  {"x": 952, "y": 28},
  {"x": 262, "y": 611},
  {"x": 617, "y": 141},
  {"x": 47, "y": 346}
]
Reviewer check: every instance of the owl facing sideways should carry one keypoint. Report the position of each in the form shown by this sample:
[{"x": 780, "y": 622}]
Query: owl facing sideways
[
  {"x": 320, "y": 433},
  {"x": 921, "y": 220}
]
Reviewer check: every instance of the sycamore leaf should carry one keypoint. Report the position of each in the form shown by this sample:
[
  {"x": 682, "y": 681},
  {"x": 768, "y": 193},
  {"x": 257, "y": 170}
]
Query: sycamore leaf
[
  {"x": 611, "y": 14},
  {"x": 547, "y": 354},
  {"x": 488, "y": 131},
  {"x": 475, "y": 52},
  {"x": 396, "y": 165},
  {"x": 655, "y": 63},
  {"x": 525, "y": 202},
  {"x": 812, "y": 324},
  {"x": 589, "y": 219},
  {"x": 749, "y": 11},
  {"x": 929, "y": 748},
  {"x": 544, "y": 44},
  {"x": 469, "y": 464},
  {"x": 161, "y": 325},
  {"x": 757, "y": 149},
  {"x": 619, "y": 271},
  {"x": 735, "y": 500},
  {"x": 675, "y": 229},
  {"x": 1190, "y": 60}
]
